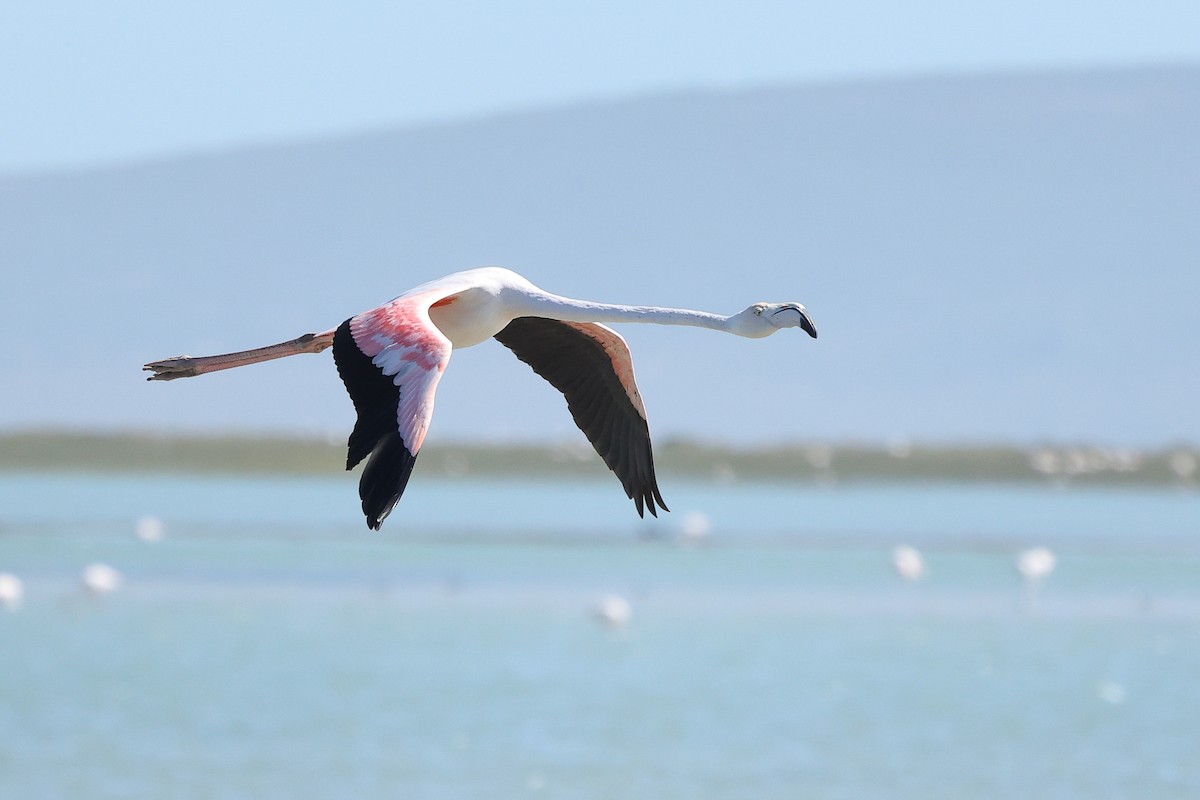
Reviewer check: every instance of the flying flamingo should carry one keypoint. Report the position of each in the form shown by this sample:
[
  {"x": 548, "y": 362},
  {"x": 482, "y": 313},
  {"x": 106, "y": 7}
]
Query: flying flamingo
[{"x": 392, "y": 357}]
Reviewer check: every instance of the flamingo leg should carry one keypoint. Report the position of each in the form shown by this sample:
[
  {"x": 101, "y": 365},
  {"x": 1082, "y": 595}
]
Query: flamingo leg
[{"x": 188, "y": 366}]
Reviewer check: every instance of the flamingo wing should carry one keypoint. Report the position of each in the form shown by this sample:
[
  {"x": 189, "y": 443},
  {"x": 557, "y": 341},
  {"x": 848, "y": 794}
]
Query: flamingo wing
[
  {"x": 591, "y": 365},
  {"x": 390, "y": 359}
]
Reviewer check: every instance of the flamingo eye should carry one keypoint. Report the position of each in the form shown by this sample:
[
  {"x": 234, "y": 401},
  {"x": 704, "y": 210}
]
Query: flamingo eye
[{"x": 758, "y": 310}]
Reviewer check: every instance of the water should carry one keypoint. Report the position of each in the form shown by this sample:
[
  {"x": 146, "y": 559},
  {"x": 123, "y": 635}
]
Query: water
[{"x": 271, "y": 647}]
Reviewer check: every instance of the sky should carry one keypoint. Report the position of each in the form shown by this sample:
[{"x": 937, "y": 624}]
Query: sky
[{"x": 85, "y": 84}]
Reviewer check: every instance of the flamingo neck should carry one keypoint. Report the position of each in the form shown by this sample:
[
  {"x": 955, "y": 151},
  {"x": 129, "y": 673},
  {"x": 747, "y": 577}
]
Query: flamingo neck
[{"x": 571, "y": 310}]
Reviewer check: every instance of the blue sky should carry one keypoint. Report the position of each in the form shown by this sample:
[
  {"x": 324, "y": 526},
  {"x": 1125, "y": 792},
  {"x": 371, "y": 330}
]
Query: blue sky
[{"x": 85, "y": 83}]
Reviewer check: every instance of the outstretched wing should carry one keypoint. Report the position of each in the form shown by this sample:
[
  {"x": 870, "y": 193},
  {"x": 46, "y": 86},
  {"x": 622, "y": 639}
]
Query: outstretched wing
[
  {"x": 590, "y": 364},
  {"x": 390, "y": 359}
]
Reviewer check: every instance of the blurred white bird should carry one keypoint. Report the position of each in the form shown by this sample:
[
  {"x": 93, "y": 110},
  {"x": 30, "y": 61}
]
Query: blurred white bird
[
  {"x": 1036, "y": 563},
  {"x": 12, "y": 591},
  {"x": 908, "y": 563},
  {"x": 694, "y": 527},
  {"x": 613, "y": 611},
  {"x": 100, "y": 579},
  {"x": 149, "y": 529}
]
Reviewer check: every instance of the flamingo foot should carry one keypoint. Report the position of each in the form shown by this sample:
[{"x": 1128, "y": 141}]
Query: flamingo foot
[{"x": 171, "y": 368}]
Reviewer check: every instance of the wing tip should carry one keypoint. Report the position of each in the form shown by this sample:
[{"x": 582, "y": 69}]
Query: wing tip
[
  {"x": 385, "y": 478},
  {"x": 649, "y": 499}
]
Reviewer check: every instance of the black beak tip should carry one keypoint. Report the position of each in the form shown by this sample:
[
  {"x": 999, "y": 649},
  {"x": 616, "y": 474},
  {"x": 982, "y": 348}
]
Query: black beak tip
[{"x": 808, "y": 327}]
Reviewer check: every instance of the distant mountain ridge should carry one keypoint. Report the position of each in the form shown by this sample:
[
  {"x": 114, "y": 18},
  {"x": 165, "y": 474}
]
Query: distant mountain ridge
[{"x": 1010, "y": 257}]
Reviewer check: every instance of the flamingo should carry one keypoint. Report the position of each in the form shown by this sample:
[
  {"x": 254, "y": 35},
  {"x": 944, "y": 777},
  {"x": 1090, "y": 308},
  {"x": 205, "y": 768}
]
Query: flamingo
[
  {"x": 391, "y": 358},
  {"x": 100, "y": 579},
  {"x": 908, "y": 563}
]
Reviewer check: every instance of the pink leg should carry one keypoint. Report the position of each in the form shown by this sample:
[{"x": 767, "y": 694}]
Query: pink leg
[{"x": 186, "y": 366}]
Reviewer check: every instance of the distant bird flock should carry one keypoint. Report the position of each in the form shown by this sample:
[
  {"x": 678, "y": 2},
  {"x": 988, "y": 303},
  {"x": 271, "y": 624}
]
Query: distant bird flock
[{"x": 614, "y": 611}]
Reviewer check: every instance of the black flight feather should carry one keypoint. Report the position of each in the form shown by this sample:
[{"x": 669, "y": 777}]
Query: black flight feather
[
  {"x": 579, "y": 367},
  {"x": 376, "y": 399}
]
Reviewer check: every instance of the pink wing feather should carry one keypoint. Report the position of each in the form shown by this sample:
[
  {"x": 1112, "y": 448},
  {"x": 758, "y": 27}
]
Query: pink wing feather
[
  {"x": 406, "y": 346},
  {"x": 390, "y": 359}
]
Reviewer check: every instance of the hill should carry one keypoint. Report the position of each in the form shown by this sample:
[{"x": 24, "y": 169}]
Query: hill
[{"x": 1008, "y": 257}]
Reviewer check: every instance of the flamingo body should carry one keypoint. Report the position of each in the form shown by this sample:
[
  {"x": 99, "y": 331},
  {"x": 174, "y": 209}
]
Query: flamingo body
[{"x": 392, "y": 357}]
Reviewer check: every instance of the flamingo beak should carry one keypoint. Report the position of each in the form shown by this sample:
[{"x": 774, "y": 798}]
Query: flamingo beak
[{"x": 806, "y": 324}]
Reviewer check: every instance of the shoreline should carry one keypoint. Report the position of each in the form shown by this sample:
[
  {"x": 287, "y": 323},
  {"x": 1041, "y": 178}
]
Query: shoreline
[{"x": 815, "y": 462}]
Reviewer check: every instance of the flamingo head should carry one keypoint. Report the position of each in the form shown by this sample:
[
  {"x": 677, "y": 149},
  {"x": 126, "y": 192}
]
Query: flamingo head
[{"x": 763, "y": 319}]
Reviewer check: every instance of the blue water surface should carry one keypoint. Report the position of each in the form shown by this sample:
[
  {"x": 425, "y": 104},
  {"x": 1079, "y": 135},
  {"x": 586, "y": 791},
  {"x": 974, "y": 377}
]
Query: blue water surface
[{"x": 269, "y": 646}]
